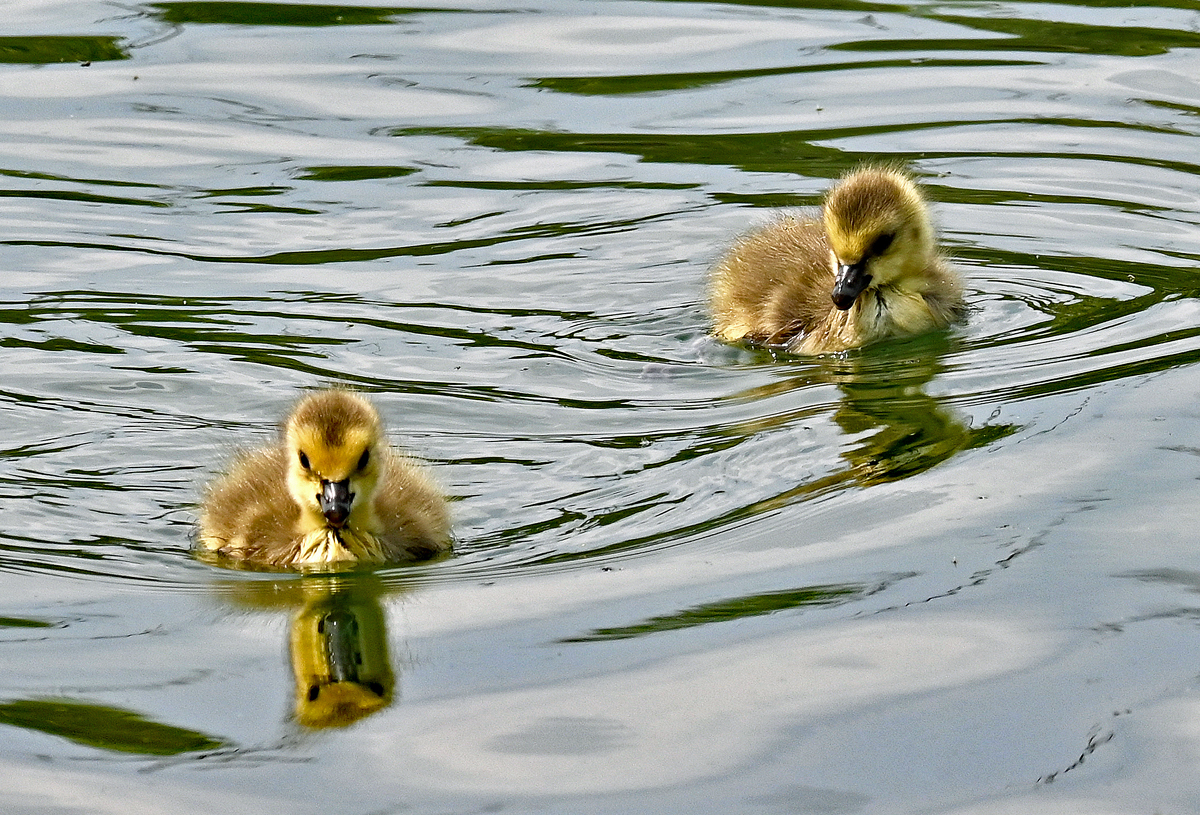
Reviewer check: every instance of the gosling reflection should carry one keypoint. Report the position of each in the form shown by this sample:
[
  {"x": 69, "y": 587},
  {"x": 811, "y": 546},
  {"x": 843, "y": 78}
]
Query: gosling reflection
[
  {"x": 898, "y": 428},
  {"x": 337, "y": 643},
  {"x": 903, "y": 430},
  {"x": 340, "y": 659}
]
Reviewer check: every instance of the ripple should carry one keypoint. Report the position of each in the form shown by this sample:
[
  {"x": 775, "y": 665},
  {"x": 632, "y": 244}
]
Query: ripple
[
  {"x": 497, "y": 222},
  {"x": 515, "y": 270}
]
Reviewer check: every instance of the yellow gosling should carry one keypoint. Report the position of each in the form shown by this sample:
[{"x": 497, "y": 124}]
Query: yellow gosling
[
  {"x": 868, "y": 268},
  {"x": 331, "y": 490}
]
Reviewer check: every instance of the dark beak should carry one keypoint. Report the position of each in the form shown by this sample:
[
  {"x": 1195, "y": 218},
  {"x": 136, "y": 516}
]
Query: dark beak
[
  {"x": 851, "y": 280},
  {"x": 335, "y": 501}
]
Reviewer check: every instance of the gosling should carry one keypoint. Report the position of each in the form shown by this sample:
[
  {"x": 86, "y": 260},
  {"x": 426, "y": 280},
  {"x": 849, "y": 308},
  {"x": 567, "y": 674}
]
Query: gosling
[
  {"x": 867, "y": 269},
  {"x": 330, "y": 491}
]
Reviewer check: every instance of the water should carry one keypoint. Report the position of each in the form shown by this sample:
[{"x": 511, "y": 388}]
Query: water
[{"x": 952, "y": 574}]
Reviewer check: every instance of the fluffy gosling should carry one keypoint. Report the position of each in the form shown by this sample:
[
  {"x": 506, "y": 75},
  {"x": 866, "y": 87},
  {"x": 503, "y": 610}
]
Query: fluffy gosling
[
  {"x": 867, "y": 269},
  {"x": 331, "y": 490}
]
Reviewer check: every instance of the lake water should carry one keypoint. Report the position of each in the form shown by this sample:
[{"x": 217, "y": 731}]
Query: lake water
[{"x": 956, "y": 574}]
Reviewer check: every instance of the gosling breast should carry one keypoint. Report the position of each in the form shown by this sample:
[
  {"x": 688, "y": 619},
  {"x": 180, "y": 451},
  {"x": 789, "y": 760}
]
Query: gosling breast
[
  {"x": 865, "y": 268},
  {"x": 330, "y": 490}
]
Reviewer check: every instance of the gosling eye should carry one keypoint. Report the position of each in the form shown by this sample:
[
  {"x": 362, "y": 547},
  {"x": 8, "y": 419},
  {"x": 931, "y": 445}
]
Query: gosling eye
[
  {"x": 364, "y": 458},
  {"x": 881, "y": 244},
  {"x": 304, "y": 461}
]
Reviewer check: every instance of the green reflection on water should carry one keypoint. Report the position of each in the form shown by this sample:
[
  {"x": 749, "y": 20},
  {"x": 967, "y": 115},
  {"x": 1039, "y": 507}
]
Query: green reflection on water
[
  {"x": 319, "y": 257},
  {"x": 1048, "y": 36},
  {"x": 802, "y": 152},
  {"x": 25, "y": 622},
  {"x": 83, "y": 197},
  {"x": 753, "y": 605},
  {"x": 1024, "y": 36},
  {"x": 48, "y": 50},
  {"x": 109, "y": 182},
  {"x": 231, "y": 327},
  {"x": 786, "y": 151},
  {"x": 277, "y": 14},
  {"x": 353, "y": 173},
  {"x": 59, "y": 344},
  {"x": 104, "y": 727},
  {"x": 655, "y": 83},
  {"x": 222, "y": 326}
]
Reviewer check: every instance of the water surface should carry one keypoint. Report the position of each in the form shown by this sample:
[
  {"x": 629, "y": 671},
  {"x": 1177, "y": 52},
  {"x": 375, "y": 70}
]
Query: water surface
[{"x": 952, "y": 574}]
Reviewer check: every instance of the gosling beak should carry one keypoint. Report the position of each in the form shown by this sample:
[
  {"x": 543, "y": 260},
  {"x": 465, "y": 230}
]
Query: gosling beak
[
  {"x": 335, "y": 501},
  {"x": 851, "y": 280}
]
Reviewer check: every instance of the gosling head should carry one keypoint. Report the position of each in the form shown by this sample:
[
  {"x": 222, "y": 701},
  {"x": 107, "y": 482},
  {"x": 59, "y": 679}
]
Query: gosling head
[
  {"x": 879, "y": 233},
  {"x": 335, "y": 442}
]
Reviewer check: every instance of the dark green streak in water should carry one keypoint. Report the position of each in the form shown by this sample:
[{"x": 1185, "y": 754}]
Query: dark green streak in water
[
  {"x": 279, "y": 14},
  {"x": 104, "y": 727},
  {"x": 758, "y": 152},
  {"x": 754, "y": 605},
  {"x": 49, "y": 50},
  {"x": 558, "y": 185},
  {"x": 356, "y": 255},
  {"x": 1046, "y": 36},
  {"x": 867, "y": 7},
  {"x": 208, "y": 326},
  {"x": 269, "y": 190},
  {"x": 60, "y": 344},
  {"x": 244, "y": 206},
  {"x": 656, "y": 83},
  {"x": 23, "y": 622},
  {"x": 355, "y": 173},
  {"x": 1024, "y": 36},
  {"x": 1193, "y": 110},
  {"x": 110, "y": 182},
  {"x": 859, "y": 6},
  {"x": 215, "y": 326},
  {"x": 89, "y": 198},
  {"x": 798, "y": 151}
]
